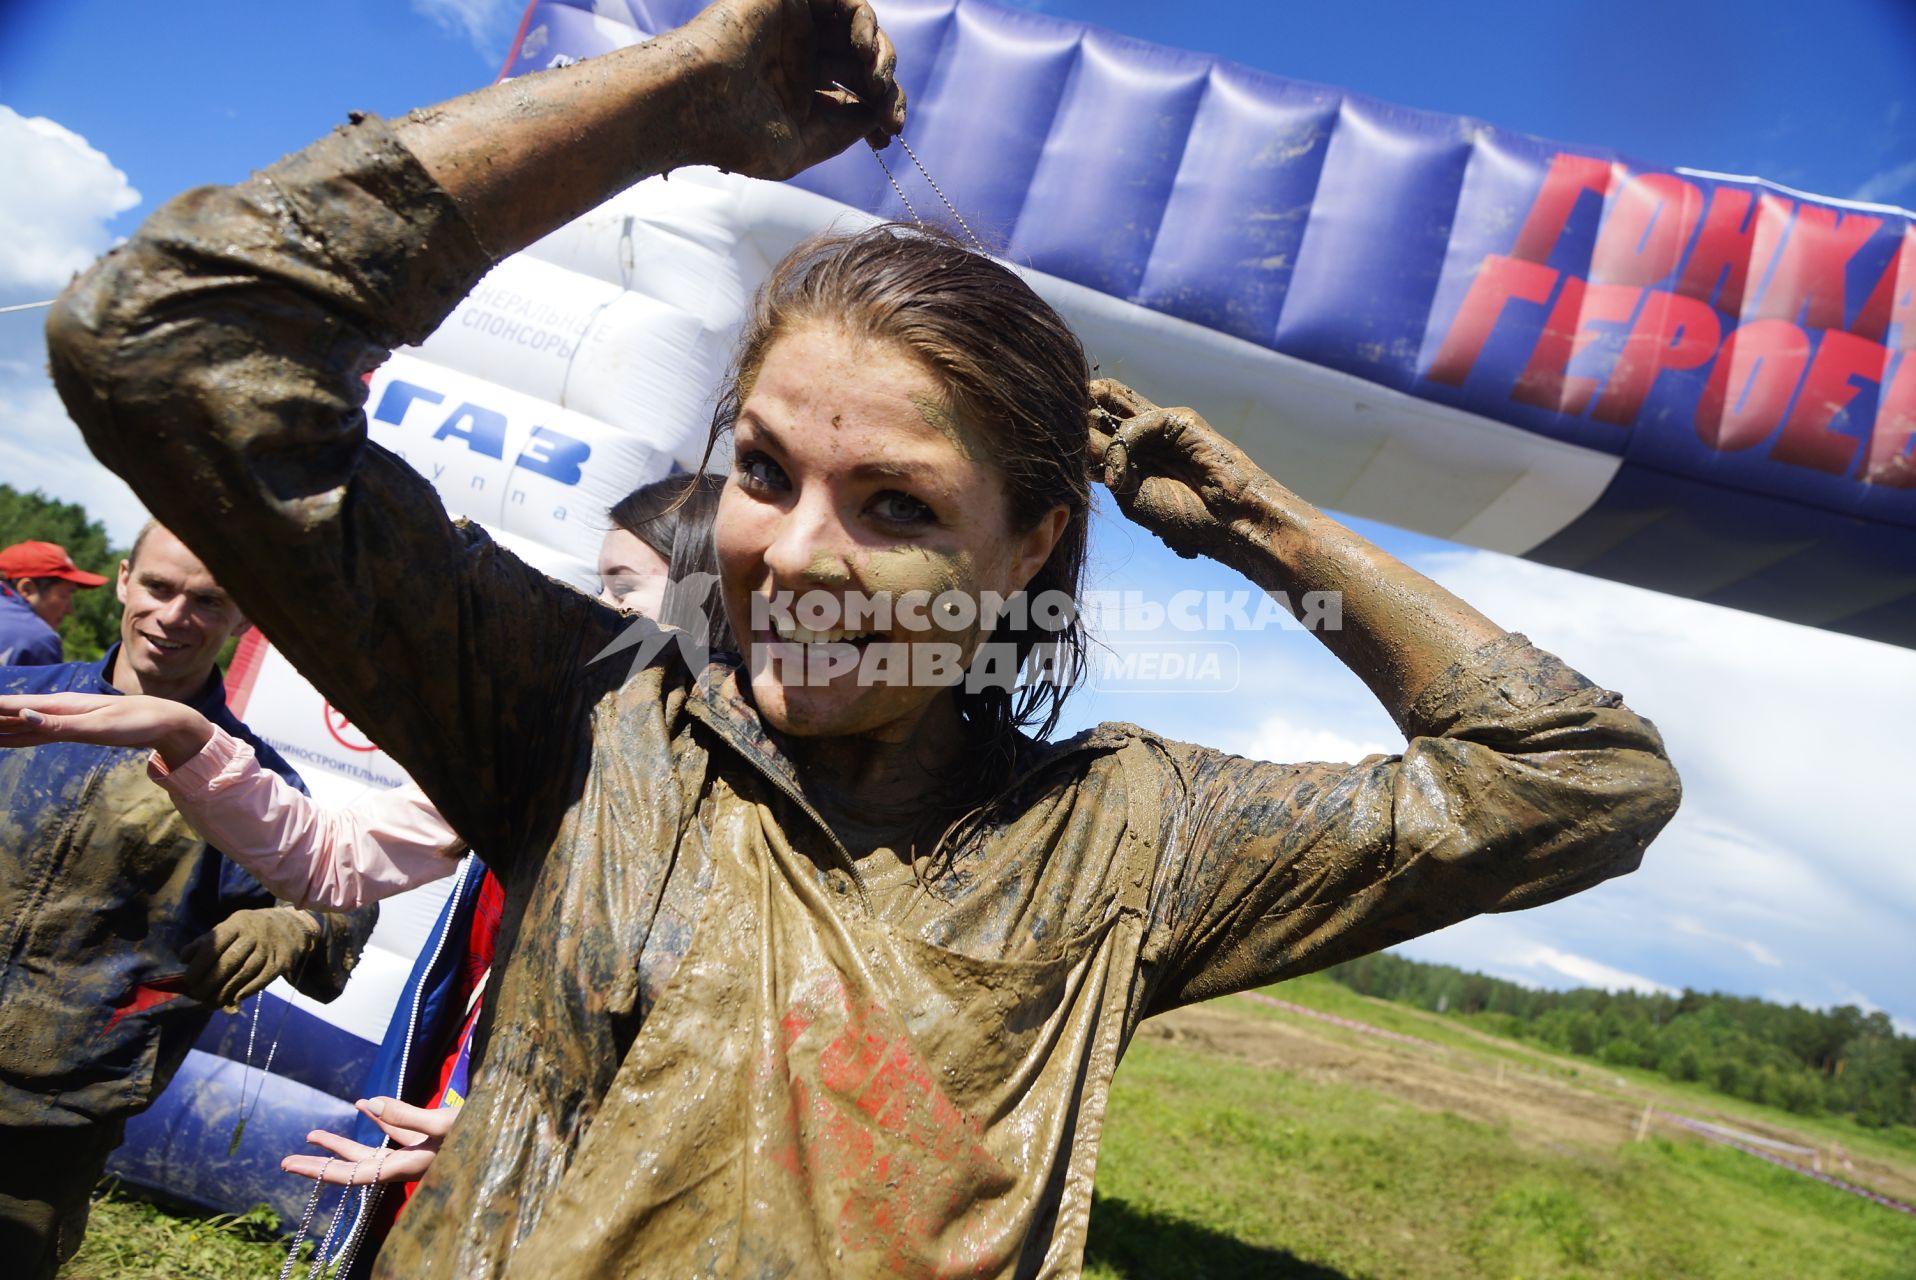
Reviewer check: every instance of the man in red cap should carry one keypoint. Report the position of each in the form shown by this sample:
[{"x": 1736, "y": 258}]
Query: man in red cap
[{"x": 37, "y": 582}]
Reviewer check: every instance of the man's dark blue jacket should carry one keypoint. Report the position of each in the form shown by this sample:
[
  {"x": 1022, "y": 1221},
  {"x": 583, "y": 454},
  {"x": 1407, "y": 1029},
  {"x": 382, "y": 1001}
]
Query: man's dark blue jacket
[
  {"x": 25, "y": 640},
  {"x": 101, "y": 885}
]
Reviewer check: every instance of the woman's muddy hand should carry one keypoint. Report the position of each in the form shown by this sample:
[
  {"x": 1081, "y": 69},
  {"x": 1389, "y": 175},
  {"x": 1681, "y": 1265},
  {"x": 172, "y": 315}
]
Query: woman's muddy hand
[
  {"x": 416, "y": 1133},
  {"x": 1170, "y": 471},
  {"x": 797, "y": 81}
]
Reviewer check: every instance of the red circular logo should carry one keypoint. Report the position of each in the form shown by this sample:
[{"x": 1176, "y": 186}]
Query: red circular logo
[{"x": 343, "y": 732}]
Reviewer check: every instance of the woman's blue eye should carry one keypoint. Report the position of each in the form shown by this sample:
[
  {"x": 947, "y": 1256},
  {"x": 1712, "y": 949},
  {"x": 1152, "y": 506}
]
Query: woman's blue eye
[
  {"x": 900, "y": 508},
  {"x": 756, "y": 471}
]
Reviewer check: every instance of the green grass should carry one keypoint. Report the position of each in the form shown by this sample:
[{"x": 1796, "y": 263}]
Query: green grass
[
  {"x": 130, "y": 1239},
  {"x": 1215, "y": 1168}
]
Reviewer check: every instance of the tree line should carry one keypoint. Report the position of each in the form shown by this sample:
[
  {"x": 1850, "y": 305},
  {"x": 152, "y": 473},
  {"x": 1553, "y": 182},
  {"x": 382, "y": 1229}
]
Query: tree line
[{"x": 1840, "y": 1060}]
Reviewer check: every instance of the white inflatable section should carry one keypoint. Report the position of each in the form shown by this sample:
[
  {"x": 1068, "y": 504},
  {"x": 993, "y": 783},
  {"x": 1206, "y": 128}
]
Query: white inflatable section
[
  {"x": 540, "y": 474},
  {"x": 634, "y": 362},
  {"x": 589, "y": 365}
]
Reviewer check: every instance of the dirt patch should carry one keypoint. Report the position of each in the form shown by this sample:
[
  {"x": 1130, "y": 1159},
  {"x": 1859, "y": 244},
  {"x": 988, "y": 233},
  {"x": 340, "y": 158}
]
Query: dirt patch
[
  {"x": 1533, "y": 1103},
  {"x": 1438, "y": 1079}
]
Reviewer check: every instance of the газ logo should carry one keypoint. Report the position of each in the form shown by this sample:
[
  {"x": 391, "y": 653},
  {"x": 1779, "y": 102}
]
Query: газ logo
[{"x": 549, "y": 453}]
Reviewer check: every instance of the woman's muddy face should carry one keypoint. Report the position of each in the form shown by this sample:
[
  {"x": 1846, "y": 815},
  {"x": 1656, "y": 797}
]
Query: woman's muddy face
[{"x": 857, "y": 502}]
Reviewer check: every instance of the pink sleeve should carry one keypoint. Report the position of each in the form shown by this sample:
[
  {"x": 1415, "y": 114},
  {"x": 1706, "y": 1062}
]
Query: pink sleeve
[{"x": 306, "y": 853}]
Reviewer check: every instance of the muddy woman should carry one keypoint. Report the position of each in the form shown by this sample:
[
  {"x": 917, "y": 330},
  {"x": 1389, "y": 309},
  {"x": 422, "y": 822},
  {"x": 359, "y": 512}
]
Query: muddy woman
[{"x": 803, "y": 976}]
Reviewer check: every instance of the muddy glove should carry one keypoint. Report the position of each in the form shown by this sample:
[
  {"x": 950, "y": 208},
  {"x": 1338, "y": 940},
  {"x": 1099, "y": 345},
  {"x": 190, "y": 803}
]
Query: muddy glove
[{"x": 245, "y": 952}]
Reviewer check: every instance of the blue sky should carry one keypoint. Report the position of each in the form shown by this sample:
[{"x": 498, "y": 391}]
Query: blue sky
[{"x": 1789, "y": 872}]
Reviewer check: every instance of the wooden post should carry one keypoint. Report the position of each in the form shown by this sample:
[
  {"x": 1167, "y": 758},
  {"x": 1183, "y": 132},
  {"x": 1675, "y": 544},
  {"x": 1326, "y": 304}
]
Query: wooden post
[{"x": 1643, "y": 1123}]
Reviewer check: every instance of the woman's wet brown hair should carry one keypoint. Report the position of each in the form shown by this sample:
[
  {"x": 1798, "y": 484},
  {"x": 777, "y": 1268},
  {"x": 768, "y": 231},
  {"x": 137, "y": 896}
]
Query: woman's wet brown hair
[{"x": 1012, "y": 368}]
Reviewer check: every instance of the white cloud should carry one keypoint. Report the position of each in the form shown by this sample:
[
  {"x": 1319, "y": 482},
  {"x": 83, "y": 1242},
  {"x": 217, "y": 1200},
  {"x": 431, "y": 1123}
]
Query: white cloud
[
  {"x": 59, "y": 196},
  {"x": 486, "y": 24},
  {"x": 54, "y": 206},
  {"x": 1529, "y": 950},
  {"x": 40, "y": 448},
  {"x": 1584, "y": 971},
  {"x": 1750, "y": 947},
  {"x": 1888, "y": 184},
  {"x": 1288, "y": 740}
]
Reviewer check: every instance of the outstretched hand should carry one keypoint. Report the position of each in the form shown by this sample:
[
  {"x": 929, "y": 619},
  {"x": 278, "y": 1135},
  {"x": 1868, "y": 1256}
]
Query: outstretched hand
[
  {"x": 798, "y": 82},
  {"x": 1171, "y": 472},
  {"x": 416, "y": 1134},
  {"x": 173, "y": 729}
]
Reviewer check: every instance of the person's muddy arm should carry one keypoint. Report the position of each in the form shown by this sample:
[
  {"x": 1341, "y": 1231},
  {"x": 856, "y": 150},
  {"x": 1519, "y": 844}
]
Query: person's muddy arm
[
  {"x": 1171, "y": 472},
  {"x": 766, "y": 88},
  {"x": 1521, "y": 783},
  {"x": 217, "y": 362}
]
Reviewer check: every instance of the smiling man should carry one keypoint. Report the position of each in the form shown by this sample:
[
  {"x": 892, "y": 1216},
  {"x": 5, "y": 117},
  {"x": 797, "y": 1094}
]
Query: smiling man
[{"x": 121, "y": 931}]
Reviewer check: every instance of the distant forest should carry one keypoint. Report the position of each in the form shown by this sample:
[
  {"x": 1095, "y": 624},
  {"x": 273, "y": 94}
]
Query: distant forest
[{"x": 1838, "y": 1060}]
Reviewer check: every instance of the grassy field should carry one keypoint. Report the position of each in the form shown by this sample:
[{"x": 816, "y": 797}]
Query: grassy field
[
  {"x": 1220, "y": 1164},
  {"x": 128, "y": 1238},
  {"x": 1247, "y": 1141}
]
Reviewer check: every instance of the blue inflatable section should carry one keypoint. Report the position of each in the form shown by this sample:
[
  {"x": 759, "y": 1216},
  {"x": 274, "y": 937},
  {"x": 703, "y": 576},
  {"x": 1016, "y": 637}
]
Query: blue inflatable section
[
  {"x": 1740, "y": 350},
  {"x": 179, "y": 1145}
]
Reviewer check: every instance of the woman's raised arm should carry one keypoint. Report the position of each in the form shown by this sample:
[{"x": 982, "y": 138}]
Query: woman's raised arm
[
  {"x": 216, "y": 361},
  {"x": 1520, "y": 782},
  {"x": 1171, "y": 472}
]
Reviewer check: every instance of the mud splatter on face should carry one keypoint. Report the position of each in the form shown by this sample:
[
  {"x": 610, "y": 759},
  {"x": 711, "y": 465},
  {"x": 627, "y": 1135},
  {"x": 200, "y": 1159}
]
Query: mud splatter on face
[
  {"x": 915, "y": 568},
  {"x": 827, "y": 570},
  {"x": 939, "y": 417}
]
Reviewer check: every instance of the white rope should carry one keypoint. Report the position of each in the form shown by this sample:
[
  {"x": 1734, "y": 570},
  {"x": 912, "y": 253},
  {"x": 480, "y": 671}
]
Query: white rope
[{"x": 26, "y": 306}]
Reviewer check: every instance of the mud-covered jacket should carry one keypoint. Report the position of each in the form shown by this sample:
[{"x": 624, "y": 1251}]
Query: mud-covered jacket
[
  {"x": 101, "y": 884},
  {"x": 721, "y": 1043}
]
